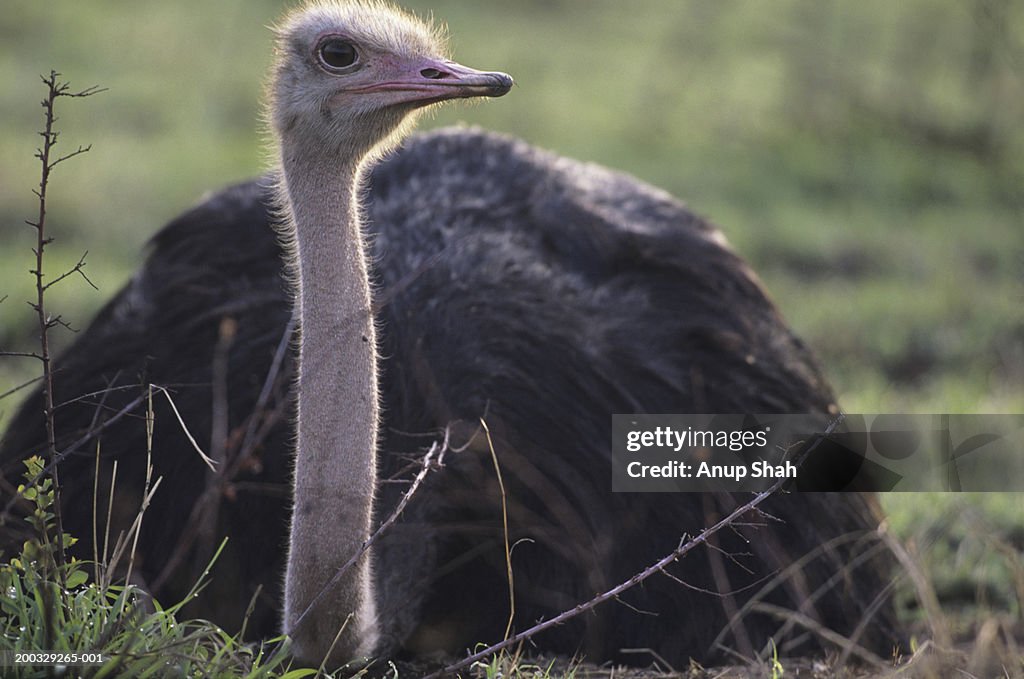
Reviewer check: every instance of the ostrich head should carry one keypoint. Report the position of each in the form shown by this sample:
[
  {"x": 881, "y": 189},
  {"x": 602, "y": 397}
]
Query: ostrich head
[{"x": 349, "y": 74}]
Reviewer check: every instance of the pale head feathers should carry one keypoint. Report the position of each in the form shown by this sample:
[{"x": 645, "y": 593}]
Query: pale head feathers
[
  {"x": 375, "y": 23},
  {"x": 320, "y": 111}
]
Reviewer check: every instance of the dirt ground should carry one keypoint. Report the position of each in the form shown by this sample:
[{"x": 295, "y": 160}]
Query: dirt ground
[{"x": 981, "y": 659}]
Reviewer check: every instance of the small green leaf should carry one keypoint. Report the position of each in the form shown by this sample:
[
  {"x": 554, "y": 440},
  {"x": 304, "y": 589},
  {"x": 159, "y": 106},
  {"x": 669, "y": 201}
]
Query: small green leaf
[
  {"x": 298, "y": 674},
  {"x": 76, "y": 579}
]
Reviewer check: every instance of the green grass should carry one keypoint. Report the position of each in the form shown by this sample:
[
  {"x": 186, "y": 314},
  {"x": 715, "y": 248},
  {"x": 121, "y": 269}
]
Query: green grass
[
  {"x": 969, "y": 547},
  {"x": 60, "y": 607}
]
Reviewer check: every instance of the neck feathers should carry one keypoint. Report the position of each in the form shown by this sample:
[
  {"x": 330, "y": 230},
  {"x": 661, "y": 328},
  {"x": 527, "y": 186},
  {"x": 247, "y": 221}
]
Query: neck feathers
[{"x": 338, "y": 412}]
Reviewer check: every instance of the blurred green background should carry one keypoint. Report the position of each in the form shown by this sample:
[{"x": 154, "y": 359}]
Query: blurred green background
[{"x": 867, "y": 157}]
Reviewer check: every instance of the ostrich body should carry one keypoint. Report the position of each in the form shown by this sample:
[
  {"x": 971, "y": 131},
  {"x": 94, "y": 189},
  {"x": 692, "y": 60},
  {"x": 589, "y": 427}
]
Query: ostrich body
[{"x": 534, "y": 291}]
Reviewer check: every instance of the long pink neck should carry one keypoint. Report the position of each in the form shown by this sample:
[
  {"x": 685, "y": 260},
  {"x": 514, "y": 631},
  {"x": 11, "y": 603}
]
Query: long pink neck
[{"x": 335, "y": 461}]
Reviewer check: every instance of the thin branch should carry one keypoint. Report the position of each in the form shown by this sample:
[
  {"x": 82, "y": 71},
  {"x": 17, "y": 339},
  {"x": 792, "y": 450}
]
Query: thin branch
[
  {"x": 55, "y": 89},
  {"x": 260, "y": 421},
  {"x": 90, "y": 435},
  {"x": 813, "y": 625},
  {"x": 79, "y": 151},
  {"x": 249, "y": 441},
  {"x": 14, "y": 390},
  {"x": 427, "y": 464},
  {"x": 206, "y": 525},
  {"x": 685, "y": 546},
  {"x": 504, "y": 525},
  {"x": 22, "y": 354},
  {"x": 76, "y": 269},
  {"x": 184, "y": 428}
]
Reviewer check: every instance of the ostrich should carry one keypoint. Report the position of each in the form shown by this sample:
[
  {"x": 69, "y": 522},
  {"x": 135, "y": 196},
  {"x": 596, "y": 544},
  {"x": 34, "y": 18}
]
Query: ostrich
[
  {"x": 346, "y": 85},
  {"x": 532, "y": 291}
]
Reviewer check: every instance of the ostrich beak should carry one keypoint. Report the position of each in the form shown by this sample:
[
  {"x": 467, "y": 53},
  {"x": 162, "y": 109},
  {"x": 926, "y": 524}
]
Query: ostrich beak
[
  {"x": 463, "y": 81},
  {"x": 428, "y": 81}
]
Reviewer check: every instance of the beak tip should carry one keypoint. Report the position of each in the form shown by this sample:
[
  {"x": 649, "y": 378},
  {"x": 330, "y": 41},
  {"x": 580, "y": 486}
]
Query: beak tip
[{"x": 502, "y": 84}]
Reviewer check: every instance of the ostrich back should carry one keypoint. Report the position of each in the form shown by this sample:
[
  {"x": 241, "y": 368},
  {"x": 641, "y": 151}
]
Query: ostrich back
[{"x": 532, "y": 291}]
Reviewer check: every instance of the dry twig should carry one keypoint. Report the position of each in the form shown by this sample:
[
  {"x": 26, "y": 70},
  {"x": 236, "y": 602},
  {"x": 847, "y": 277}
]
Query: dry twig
[
  {"x": 685, "y": 546},
  {"x": 49, "y": 160}
]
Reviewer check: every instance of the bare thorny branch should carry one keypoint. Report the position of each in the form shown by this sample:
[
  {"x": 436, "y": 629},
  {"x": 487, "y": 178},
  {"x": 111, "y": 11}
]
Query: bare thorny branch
[
  {"x": 433, "y": 459},
  {"x": 49, "y": 160},
  {"x": 685, "y": 546},
  {"x": 263, "y": 418}
]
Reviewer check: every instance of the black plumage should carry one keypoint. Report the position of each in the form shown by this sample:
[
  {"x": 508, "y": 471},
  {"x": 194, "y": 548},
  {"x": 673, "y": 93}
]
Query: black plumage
[{"x": 538, "y": 292}]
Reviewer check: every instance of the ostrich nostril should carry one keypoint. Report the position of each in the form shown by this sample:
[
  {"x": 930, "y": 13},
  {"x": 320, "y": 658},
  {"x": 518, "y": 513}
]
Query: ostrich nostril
[{"x": 433, "y": 73}]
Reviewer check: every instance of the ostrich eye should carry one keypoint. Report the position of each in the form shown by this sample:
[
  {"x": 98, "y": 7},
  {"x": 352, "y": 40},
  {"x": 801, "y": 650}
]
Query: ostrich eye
[{"x": 337, "y": 53}]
